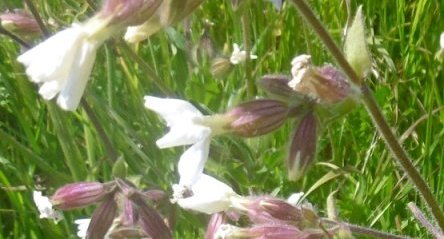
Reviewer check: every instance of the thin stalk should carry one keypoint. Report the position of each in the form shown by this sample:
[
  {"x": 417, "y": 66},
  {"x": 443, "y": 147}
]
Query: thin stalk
[
  {"x": 14, "y": 37},
  {"x": 147, "y": 69},
  {"x": 100, "y": 131},
  {"x": 37, "y": 17},
  {"x": 378, "y": 119},
  {"x": 246, "y": 35},
  {"x": 364, "y": 231},
  {"x": 423, "y": 220}
]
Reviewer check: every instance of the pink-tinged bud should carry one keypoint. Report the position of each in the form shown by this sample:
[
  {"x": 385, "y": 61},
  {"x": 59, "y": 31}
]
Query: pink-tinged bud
[
  {"x": 303, "y": 147},
  {"x": 214, "y": 224},
  {"x": 257, "y": 117},
  {"x": 129, "y": 12},
  {"x": 20, "y": 22},
  {"x": 102, "y": 218},
  {"x": 126, "y": 232},
  {"x": 280, "y": 231},
  {"x": 129, "y": 215},
  {"x": 150, "y": 221},
  {"x": 154, "y": 194},
  {"x": 221, "y": 67},
  {"x": 81, "y": 194},
  {"x": 277, "y": 85}
]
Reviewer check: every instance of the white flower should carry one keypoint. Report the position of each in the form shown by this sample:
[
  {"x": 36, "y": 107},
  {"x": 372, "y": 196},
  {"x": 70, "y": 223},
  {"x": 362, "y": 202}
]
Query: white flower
[
  {"x": 295, "y": 198},
  {"x": 62, "y": 65},
  {"x": 82, "y": 227},
  {"x": 300, "y": 69},
  {"x": 45, "y": 207},
  {"x": 441, "y": 40},
  {"x": 238, "y": 56},
  {"x": 192, "y": 162},
  {"x": 183, "y": 120},
  {"x": 209, "y": 195}
]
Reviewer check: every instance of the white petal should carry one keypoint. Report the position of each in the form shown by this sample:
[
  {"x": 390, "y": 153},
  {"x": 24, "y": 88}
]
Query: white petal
[
  {"x": 295, "y": 198},
  {"x": 50, "y": 89},
  {"x": 441, "y": 40},
  {"x": 45, "y": 207},
  {"x": 192, "y": 162},
  {"x": 52, "y": 58},
  {"x": 183, "y": 134},
  {"x": 172, "y": 110},
  {"x": 82, "y": 227},
  {"x": 209, "y": 196},
  {"x": 81, "y": 68}
]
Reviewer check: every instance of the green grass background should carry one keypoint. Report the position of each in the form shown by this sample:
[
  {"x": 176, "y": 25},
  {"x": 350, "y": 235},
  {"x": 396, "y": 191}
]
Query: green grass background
[{"x": 42, "y": 147}]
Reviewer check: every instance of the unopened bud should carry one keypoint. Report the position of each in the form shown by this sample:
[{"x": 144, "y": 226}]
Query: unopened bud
[
  {"x": 150, "y": 221},
  {"x": 221, "y": 67},
  {"x": 102, "y": 218},
  {"x": 154, "y": 194},
  {"x": 216, "y": 221},
  {"x": 257, "y": 117},
  {"x": 20, "y": 22},
  {"x": 81, "y": 194},
  {"x": 279, "y": 231},
  {"x": 129, "y": 12},
  {"x": 303, "y": 147},
  {"x": 277, "y": 85},
  {"x": 267, "y": 209}
]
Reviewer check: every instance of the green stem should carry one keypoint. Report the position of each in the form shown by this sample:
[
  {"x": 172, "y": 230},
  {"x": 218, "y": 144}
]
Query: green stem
[
  {"x": 14, "y": 37},
  {"x": 246, "y": 35},
  {"x": 378, "y": 119},
  {"x": 100, "y": 131},
  {"x": 37, "y": 17}
]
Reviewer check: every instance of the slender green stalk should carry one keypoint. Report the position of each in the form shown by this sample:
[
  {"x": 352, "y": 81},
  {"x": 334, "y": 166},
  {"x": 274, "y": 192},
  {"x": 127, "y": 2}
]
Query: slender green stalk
[
  {"x": 14, "y": 37},
  {"x": 100, "y": 131},
  {"x": 378, "y": 119},
  {"x": 246, "y": 35}
]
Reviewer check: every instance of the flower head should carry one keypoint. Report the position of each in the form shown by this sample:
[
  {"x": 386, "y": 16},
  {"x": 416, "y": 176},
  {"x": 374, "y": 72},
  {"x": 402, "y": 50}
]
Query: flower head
[
  {"x": 45, "y": 207},
  {"x": 206, "y": 195},
  {"x": 238, "y": 56},
  {"x": 182, "y": 118}
]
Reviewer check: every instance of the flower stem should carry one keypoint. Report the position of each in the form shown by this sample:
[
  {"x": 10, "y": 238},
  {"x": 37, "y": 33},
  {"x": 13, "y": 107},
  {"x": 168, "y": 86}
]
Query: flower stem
[
  {"x": 364, "y": 230},
  {"x": 246, "y": 35},
  {"x": 100, "y": 131},
  {"x": 423, "y": 220},
  {"x": 378, "y": 119},
  {"x": 37, "y": 17},
  {"x": 14, "y": 37}
]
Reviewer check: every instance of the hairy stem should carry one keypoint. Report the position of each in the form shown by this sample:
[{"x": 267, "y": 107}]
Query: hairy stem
[
  {"x": 364, "y": 231},
  {"x": 423, "y": 220},
  {"x": 378, "y": 119}
]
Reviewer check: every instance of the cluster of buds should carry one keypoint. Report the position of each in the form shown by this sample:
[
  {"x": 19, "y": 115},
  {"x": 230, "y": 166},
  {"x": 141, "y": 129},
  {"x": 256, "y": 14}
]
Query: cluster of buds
[
  {"x": 268, "y": 217},
  {"x": 124, "y": 211}
]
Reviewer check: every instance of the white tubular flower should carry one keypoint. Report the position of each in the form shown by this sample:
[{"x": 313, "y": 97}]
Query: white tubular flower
[
  {"x": 82, "y": 227},
  {"x": 192, "y": 162},
  {"x": 441, "y": 40},
  {"x": 45, "y": 207},
  {"x": 183, "y": 120},
  {"x": 295, "y": 198},
  {"x": 62, "y": 64},
  {"x": 300, "y": 68},
  {"x": 208, "y": 195},
  {"x": 238, "y": 56}
]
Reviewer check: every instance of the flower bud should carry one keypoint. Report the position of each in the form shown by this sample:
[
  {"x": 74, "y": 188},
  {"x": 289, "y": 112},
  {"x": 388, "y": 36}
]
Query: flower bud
[
  {"x": 277, "y": 231},
  {"x": 81, "y": 194},
  {"x": 221, "y": 67},
  {"x": 129, "y": 12},
  {"x": 257, "y": 117},
  {"x": 102, "y": 218},
  {"x": 277, "y": 85},
  {"x": 20, "y": 22},
  {"x": 150, "y": 221},
  {"x": 215, "y": 222},
  {"x": 303, "y": 147}
]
